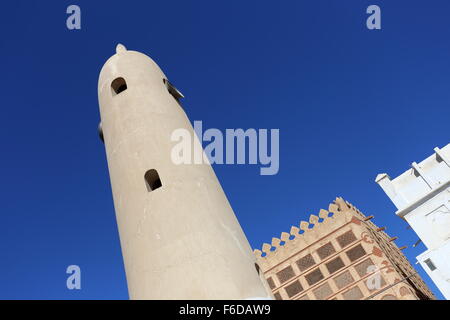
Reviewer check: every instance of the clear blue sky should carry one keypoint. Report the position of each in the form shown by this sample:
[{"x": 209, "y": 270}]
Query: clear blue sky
[{"x": 350, "y": 103}]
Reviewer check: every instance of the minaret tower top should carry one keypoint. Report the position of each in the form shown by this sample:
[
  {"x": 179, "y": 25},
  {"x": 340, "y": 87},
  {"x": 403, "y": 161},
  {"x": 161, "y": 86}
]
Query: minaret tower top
[{"x": 120, "y": 48}]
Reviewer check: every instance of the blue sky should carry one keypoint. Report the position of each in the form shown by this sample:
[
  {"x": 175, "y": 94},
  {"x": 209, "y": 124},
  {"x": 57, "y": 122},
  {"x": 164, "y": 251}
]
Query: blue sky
[{"x": 349, "y": 102}]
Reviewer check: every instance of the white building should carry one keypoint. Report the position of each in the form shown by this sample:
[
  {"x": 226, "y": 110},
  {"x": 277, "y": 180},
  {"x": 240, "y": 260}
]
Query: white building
[{"x": 422, "y": 197}]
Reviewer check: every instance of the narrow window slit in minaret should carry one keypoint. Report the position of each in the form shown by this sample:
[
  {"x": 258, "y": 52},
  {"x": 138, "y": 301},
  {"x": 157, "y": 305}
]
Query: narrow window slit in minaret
[
  {"x": 172, "y": 90},
  {"x": 118, "y": 85},
  {"x": 152, "y": 180},
  {"x": 257, "y": 267}
]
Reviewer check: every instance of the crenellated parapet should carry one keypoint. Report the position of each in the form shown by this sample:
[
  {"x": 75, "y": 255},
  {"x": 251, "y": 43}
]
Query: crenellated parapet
[
  {"x": 333, "y": 254},
  {"x": 306, "y": 232}
]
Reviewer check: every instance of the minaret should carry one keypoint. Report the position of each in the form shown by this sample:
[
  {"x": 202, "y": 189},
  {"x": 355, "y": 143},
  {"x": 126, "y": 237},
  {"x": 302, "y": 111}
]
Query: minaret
[{"x": 179, "y": 236}]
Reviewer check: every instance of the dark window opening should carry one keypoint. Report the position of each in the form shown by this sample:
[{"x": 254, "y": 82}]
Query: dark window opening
[
  {"x": 430, "y": 264},
  {"x": 355, "y": 253},
  {"x": 257, "y": 268},
  {"x": 306, "y": 262},
  {"x": 334, "y": 265},
  {"x": 172, "y": 90},
  {"x": 100, "y": 132},
  {"x": 293, "y": 289},
  {"x": 326, "y": 250},
  {"x": 346, "y": 238},
  {"x": 118, "y": 85},
  {"x": 314, "y": 277},
  {"x": 271, "y": 283},
  {"x": 152, "y": 180},
  {"x": 285, "y": 274}
]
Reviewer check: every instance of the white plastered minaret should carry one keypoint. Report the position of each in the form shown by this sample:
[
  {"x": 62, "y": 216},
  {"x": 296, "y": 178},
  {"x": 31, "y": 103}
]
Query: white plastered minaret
[{"x": 179, "y": 236}]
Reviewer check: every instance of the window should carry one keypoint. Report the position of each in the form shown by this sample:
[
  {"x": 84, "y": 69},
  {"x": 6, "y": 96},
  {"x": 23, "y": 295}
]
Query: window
[
  {"x": 285, "y": 274},
  {"x": 305, "y": 262},
  {"x": 326, "y": 250},
  {"x": 430, "y": 264},
  {"x": 353, "y": 294},
  {"x": 152, "y": 180},
  {"x": 118, "y": 85},
  {"x": 323, "y": 292},
  {"x": 172, "y": 90},
  {"x": 293, "y": 289},
  {"x": 355, "y": 253},
  {"x": 271, "y": 283},
  {"x": 257, "y": 268},
  {"x": 343, "y": 280},
  {"x": 100, "y": 132},
  {"x": 314, "y": 277},
  {"x": 334, "y": 265},
  {"x": 346, "y": 238},
  {"x": 365, "y": 267},
  {"x": 277, "y": 296}
]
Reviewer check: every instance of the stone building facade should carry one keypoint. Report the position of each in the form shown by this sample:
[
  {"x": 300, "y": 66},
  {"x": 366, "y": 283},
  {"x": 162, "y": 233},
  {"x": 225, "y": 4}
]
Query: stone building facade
[{"x": 339, "y": 255}]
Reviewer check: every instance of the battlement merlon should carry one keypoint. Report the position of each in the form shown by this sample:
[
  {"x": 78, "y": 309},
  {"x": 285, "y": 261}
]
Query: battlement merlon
[
  {"x": 306, "y": 232},
  {"x": 419, "y": 183}
]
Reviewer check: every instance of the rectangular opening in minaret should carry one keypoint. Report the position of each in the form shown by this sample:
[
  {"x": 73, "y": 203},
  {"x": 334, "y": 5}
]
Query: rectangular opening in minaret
[{"x": 152, "y": 180}]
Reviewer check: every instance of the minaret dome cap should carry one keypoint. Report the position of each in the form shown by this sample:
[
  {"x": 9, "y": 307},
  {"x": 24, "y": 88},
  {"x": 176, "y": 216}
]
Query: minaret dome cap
[{"x": 120, "y": 48}]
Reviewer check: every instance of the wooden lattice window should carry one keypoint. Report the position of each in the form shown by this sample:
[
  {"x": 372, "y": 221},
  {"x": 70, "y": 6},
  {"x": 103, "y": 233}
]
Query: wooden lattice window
[
  {"x": 326, "y": 250},
  {"x": 293, "y": 289},
  {"x": 334, "y": 265},
  {"x": 343, "y": 280},
  {"x": 346, "y": 238},
  {"x": 277, "y": 296},
  {"x": 353, "y": 294},
  {"x": 323, "y": 292},
  {"x": 285, "y": 274},
  {"x": 306, "y": 262},
  {"x": 356, "y": 252},
  {"x": 314, "y": 276},
  {"x": 363, "y": 267},
  {"x": 270, "y": 282}
]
